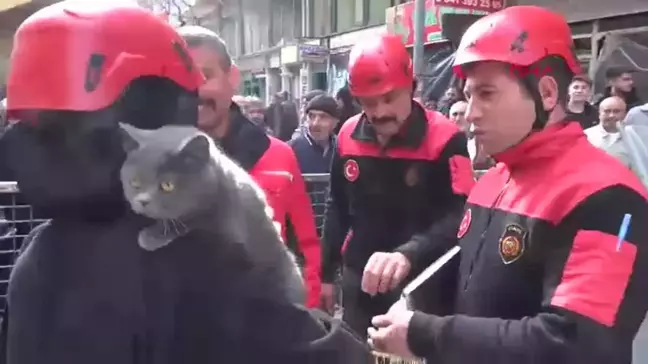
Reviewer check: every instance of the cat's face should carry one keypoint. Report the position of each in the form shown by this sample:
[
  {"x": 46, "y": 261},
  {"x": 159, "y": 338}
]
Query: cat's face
[{"x": 166, "y": 174}]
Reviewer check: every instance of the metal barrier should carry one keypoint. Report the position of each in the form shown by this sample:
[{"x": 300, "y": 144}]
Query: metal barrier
[
  {"x": 317, "y": 188},
  {"x": 16, "y": 221}
]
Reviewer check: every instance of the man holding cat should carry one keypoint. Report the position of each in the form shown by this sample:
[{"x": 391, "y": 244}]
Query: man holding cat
[
  {"x": 399, "y": 179},
  {"x": 271, "y": 162},
  {"x": 83, "y": 291}
]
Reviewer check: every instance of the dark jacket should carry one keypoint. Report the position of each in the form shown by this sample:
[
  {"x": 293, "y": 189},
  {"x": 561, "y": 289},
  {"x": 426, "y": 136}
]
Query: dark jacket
[
  {"x": 407, "y": 197},
  {"x": 84, "y": 292},
  {"x": 311, "y": 156},
  {"x": 542, "y": 278},
  {"x": 587, "y": 118}
]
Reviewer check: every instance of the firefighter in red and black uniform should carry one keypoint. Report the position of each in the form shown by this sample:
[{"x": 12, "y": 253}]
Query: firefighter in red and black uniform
[
  {"x": 545, "y": 274},
  {"x": 399, "y": 180}
]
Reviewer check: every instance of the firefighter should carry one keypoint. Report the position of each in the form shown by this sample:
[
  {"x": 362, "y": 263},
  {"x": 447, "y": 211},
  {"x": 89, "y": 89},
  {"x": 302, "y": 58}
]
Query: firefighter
[
  {"x": 399, "y": 179},
  {"x": 547, "y": 274},
  {"x": 83, "y": 291}
]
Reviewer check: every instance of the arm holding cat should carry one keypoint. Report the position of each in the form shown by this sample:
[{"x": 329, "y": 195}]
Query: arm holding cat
[{"x": 300, "y": 213}]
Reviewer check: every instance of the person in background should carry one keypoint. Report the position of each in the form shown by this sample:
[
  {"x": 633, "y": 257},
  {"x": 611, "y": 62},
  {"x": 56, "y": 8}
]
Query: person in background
[
  {"x": 430, "y": 103},
  {"x": 480, "y": 160},
  {"x": 458, "y": 117},
  {"x": 579, "y": 108},
  {"x": 637, "y": 116},
  {"x": 314, "y": 150},
  {"x": 277, "y": 113},
  {"x": 348, "y": 106},
  {"x": 620, "y": 83},
  {"x": 606, "y": 135},
  {"x": 545, "y": 276},
  {"x": 302, "y": 112},
  {"x": 314, "y": 147},
  {"x": 271, "y": 162},
  {"x": 255, "y": 112},
  {"x": 452, "y": 95}
]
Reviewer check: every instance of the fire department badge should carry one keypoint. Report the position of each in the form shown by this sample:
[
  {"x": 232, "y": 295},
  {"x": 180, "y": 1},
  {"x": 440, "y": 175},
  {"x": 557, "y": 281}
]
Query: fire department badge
[
  {"x": 465, "y": 224},
  {"x": 512, "y": 243},
  {"x": 412, "y": 176},
  {"x": 351, "y": 170}
]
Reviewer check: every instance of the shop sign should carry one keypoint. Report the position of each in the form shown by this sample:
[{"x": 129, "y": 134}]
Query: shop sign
[
  {"x": 400, "y": 19},
  {"x": 310, "y": 52}
]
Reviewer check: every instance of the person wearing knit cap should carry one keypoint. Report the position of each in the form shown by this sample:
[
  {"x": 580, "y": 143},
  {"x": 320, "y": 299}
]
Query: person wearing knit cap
[
  {"x": 313, "y": 145},
  {"x": 322, "y": 116}
]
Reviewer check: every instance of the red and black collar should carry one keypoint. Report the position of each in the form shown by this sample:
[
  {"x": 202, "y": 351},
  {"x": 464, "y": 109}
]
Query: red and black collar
[{"x": 411, "y": 135}]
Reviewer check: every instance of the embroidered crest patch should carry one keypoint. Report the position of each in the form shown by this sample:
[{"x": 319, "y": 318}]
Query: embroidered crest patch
[{"x": 512, "y": 243}]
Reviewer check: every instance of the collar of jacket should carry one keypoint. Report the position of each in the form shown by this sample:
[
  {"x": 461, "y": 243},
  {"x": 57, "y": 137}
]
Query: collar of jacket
[
  {"x": 411, "y": 135},
  {"x": 245, "y": 142},
  {"x": 306, "y": 133},
  {"x": 549, "y": 143}
]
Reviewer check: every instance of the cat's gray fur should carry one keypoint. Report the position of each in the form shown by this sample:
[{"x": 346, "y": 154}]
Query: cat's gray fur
[{"x": 210, "y": 192}]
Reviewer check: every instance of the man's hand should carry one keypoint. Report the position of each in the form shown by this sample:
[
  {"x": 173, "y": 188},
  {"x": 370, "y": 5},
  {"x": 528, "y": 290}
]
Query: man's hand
[
  {"x": 390, "y": 334},
  {"x": 327, "y": 300},
  {"x": 384, "y": 272}
]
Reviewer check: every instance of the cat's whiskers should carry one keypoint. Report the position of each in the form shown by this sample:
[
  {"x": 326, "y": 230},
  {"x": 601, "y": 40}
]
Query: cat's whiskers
[
  {"x": 165, "y": 223},
  {"x": 175, "y": 226},
  {"x": 182, "y": 225}
]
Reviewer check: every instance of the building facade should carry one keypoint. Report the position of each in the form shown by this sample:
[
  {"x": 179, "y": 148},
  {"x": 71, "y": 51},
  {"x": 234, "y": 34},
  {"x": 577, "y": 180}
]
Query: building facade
[
  {"x": 292, "y": 45},
  {"x": 297, "y": 45}
]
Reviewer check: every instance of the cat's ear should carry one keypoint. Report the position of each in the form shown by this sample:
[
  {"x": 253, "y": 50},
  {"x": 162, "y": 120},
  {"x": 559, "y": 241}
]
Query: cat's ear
[
  {"x": 196, "y": 151},
  {"x": 128, "y": 139}
]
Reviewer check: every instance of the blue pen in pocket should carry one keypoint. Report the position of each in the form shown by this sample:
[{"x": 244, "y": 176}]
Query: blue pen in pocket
[{"x": 623, "y": 230}]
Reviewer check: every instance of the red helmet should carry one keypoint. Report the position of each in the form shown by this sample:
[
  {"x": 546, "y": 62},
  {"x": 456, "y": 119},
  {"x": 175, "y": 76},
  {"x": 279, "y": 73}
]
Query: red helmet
[
  {"x": 81, "y": 56},
  {"x": 520, "y": 36},
  {"x": 379, "y": 65}
]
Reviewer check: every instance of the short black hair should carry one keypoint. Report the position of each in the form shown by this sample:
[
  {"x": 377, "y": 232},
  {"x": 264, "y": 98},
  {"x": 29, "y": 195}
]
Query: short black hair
[
  {"x": 197, "y": 36},
  {"x": 582, "y": 78},
  {"x": 616, "y": 72}
]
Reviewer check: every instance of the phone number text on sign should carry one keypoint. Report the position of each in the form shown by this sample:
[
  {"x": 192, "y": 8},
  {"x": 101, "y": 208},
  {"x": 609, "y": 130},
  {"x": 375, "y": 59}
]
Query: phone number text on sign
[{"x": 491, "y": 5}]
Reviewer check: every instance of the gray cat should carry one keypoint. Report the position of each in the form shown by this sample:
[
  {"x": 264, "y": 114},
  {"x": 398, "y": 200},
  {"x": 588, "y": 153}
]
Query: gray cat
[{"x": 177, "y": 176}]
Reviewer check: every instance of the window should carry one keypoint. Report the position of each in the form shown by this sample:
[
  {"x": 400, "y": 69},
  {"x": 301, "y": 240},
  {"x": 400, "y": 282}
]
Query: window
[
  {"x": 358, "y": 12},
  {"x": 321, "y": 17},
  {"x": 377, "y": 11},
  {"x": 231, "y": 37},
  {"x": 344, "y": 15}
]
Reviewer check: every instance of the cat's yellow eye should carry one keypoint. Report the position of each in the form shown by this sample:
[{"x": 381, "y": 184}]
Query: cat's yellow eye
[
  {"x": 167, "y": 186},
  {"x": 135, "y": 183}
]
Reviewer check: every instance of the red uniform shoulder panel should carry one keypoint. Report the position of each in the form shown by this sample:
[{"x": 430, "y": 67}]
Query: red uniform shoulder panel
[{"x": 552, "y": 190}]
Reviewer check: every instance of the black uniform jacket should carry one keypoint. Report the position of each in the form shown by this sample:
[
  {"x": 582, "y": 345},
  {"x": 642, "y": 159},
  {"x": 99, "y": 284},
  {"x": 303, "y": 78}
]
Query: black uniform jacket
[
  {"x": 406, "y": 197},
  {"x": 542, "y": 277}
]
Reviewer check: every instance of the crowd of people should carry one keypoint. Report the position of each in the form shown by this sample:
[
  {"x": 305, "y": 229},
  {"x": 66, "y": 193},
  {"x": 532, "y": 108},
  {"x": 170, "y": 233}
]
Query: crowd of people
[{"x": 544, "y": 274}]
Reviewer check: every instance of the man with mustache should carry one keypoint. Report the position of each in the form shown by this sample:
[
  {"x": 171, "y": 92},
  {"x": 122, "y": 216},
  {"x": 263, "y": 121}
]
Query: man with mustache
[
  {"x": 554, "y": 255},
  {"x": 271, "y": 162},
  {"x": 399, "y": 179}
]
